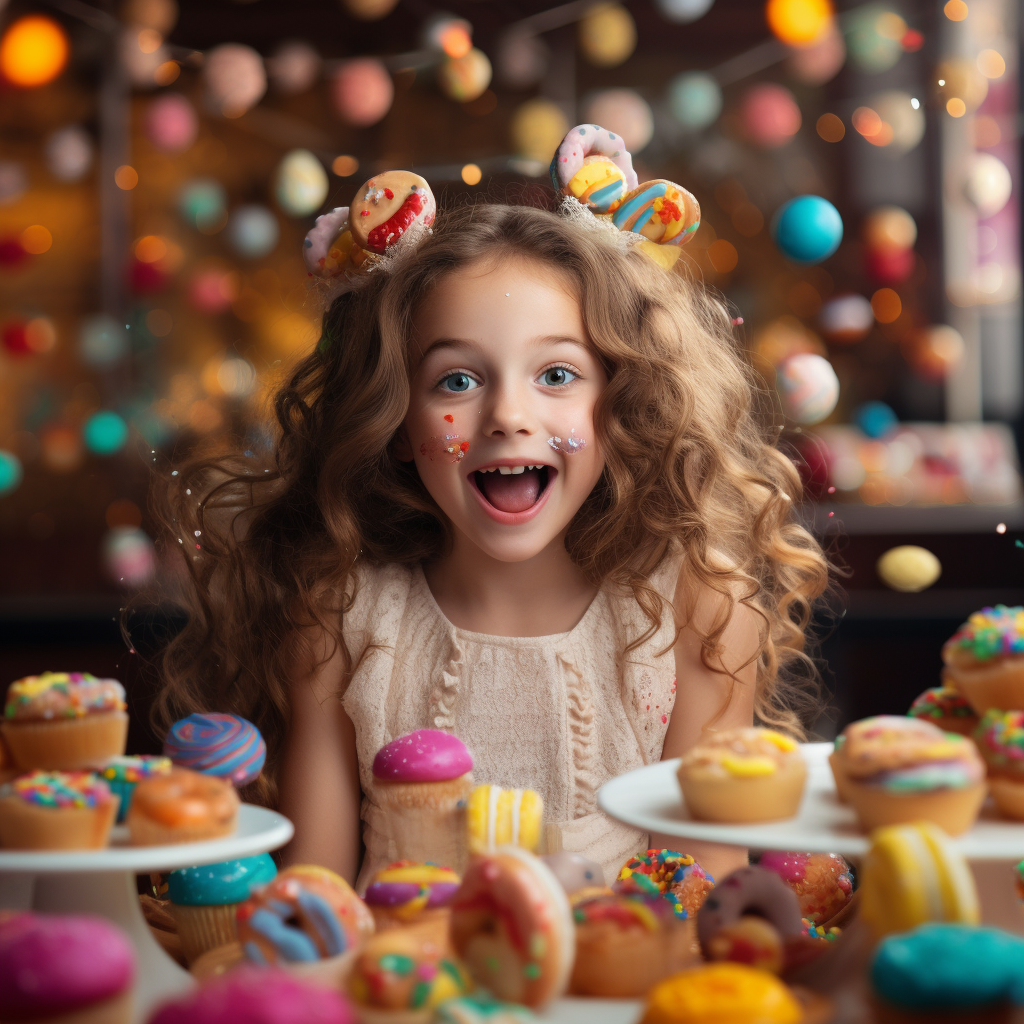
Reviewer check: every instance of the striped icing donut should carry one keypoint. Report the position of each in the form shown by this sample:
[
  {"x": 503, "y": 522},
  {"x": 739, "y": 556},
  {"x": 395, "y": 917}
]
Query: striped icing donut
[
  {"x": 388, "y": 207},
  {"x": 659, "y": 210},
  {"x": 593, "y": 165},
  {"x": 223, "y": 745}
]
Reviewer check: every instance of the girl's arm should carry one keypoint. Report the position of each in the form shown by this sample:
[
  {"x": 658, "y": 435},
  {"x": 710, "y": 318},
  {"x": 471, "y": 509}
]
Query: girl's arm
[
  {"x": 701, "y": 695},
  {"x": 319, "y": 784}
]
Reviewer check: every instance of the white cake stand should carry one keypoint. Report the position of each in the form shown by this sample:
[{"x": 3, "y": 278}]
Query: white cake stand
[
  {"x": 103, "y": 882},
  {"x": 649, "y": 798}
]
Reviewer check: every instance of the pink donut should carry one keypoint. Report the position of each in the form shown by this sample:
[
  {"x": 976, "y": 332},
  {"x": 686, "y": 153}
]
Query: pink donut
[
  {"x": 319, "y": 253},
  {"x": 590, "y": 140}
]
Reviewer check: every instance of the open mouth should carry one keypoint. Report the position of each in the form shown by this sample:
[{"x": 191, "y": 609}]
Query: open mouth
[{"x": 513, "y": 488}]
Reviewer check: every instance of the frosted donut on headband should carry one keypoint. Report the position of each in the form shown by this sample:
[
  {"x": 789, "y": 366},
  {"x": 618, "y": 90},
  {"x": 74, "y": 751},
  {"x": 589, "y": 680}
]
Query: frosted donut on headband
[
  {"x": 593, "y": 165},
  {"x": 659, "y": 210},
  {"x": 392, "y": 210}
]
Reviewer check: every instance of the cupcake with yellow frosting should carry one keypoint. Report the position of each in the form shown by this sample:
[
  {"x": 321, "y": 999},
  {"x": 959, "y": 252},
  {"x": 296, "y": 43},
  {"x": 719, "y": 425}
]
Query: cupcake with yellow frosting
[
  {"x": 504, "y": 817},
  {"x": 743, "y": 775},
  {"x": 408, "y": 895},
  {"x": 62, "y": 721}
]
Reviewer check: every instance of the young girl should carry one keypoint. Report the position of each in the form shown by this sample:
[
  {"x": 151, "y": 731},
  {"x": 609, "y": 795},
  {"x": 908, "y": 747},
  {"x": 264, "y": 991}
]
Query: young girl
[{"x": 520, "y": 493}]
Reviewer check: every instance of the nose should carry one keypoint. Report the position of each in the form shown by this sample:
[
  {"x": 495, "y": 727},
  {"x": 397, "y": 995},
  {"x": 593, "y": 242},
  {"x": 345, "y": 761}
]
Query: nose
[{"x": 507, "y": 411}]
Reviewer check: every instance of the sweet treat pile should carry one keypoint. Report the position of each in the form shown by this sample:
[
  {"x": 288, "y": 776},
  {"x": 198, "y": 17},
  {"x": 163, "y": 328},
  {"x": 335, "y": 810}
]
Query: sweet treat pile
[
  {"x": 223, "y": 745},
  {"x": 56, "y": 811},
  {"x": 991, "y": 633},
  {"x": 823, "y": 882},
  {"x": 945, "y": 708},
  {"x": 985, "y": 659},
  {"x": 743, "y": 775},
  {"x": 181, "y": 807},
  {"x": 62, "y": 695},
  {"x": 55, "y": 967},
  {"x": 406, "y": 895},
  {"x": 503, "y": 817},
  {"x": 122, "y": 773},
  {"x": 676, "y": 876},
  {"x": 1000, "y": 738}
]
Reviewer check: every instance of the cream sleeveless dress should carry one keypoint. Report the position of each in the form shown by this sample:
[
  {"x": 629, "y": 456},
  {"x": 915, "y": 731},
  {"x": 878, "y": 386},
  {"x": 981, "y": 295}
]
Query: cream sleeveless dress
[{"x": 559, "y": 714}]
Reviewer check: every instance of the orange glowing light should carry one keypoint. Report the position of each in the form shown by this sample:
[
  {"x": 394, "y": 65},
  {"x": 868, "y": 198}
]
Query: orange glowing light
[
  {"x": 471, "y": 174},
  {"x": 33, "y": 51},
  {"x": 344, "y": 166},
  {"x": 36, "y": 239},
  {"x": 40, "y": 334},
  {"x": 991, "y": 64},
  {"x": 167, "y": 72},
  {"x": 723, "y": 256},
  {"x": 150, "y": 249},
  {"x": 831, "y": 128},
  {"x": 126, "y": 177},
  {"x": 455, "y": 40},
  {"x": 956, "y": 107},
  {"x": 955, "y": 10},
  {"x": 799, "y": 22},
  {"x": 886, "y": 305},
  {"x": 866, "y": 121}
]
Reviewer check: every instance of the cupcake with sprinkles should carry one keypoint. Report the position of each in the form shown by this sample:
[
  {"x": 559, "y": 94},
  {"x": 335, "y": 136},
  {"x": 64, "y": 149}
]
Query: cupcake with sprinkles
[
  {"x": 947, "y": 708},
  {"x": 62, "y": 721},
  {"x": 1000, "y": 738},
  {"x": 675, "y": 876},
  {"x": 56, "y": 811},
  {"x": 985, "y": 659},
  {"x": 223, "y": 745},
  {"x": 122, "y": 774}
]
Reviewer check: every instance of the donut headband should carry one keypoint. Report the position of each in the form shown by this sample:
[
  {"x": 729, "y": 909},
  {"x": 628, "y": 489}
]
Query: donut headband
[{"x": 591, "y": 169}]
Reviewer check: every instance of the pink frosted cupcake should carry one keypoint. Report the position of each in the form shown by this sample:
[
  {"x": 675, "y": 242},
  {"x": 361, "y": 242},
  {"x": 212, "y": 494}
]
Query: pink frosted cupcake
[
  {"x": 422, "y": 782},
  {"x": 252, "y": 995},
  {"x": 64, "y": 969}
]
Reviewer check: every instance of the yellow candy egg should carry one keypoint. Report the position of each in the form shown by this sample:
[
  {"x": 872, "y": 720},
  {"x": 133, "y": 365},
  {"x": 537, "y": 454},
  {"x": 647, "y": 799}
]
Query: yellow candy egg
[{"x": 909, "y": 568}]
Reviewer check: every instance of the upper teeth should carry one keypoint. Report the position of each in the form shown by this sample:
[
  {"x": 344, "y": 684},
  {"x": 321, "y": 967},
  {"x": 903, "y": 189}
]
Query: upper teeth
[{"x": 508, "y": 470}]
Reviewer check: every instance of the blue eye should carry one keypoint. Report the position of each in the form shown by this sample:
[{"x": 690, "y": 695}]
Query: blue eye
[
  {"x": 557, "y": 375},
  {"x": 457, "y": 382}
]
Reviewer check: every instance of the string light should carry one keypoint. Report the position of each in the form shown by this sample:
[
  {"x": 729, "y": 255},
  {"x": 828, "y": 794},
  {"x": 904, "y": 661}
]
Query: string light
[{"x": 34, "y": 50}]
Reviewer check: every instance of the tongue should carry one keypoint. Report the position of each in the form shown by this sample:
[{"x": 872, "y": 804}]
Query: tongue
[{"x": 515, "y": 493}]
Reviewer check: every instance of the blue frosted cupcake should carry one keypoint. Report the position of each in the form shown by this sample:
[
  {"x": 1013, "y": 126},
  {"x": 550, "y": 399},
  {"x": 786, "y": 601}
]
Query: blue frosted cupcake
[
  {"x": 204, "y": 899},
  {"x": 122, "y": 773}
]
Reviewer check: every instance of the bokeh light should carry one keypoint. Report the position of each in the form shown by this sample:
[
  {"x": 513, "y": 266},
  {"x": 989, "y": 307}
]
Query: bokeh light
[
  {"x": 129, "y": 556},
  {"x": 607, "y": 35},
  {"x": 821, "y": 61},
  {"x": 362, "y": 92},
  {"x": 830, "y": 127},
  {"x": 808, "y": 387},
  {"x": 294, "y": 67},
  {"x": 202, "y": 203},
  {"x": 871, "y": 41},
  {"x": 875, "y": 419},
  {"x": 448, "y": 35},
  {"x": 344, "y": 166},
  {"x": 36, "y": 239},
  {"x": 934, "y": 351},
  {"x": 683, "y": 11},
  {"x": 808, "y": 229},
  {"x": 123, "y": 513},
  {"x": 522, "y": 58},
  {"x": 171, "y": 123},
  {"x": 33, "y": 51},
  {"x": 465, "y": 78},
  {"x": 61, "y": 448},
  {"x": 300, "y": 184},
  {"x": 102, "y": 341},
  {"x": 537, "y": 127},
  {"x": 723, "y": 255},
  {"x": 11, "y": 472},
  {"x": 799, "y": 22},
  {"x": 69, "y": 153},
  {"x": 234, "y": 79},
  {"x": 846, "y": 319},
  {"x": 369, "y": 10},
  {"x": 104, "y": 433},
  {"x": 890, "y": 227},
  {"x": 253, "y": 231},
  {"x": 695, "y": 99},
  {"x": 991, "y": 64},
  {"x": 770, "y": 115},
  {"x": 126, "y": 177},
  {"x": 624, "y": 112},
  {"x": 908, "y": 568},
  {"x": 988, "y": 184},
  {"x": 41, "y": 335},
  {"x": 955, "y": 10},
  {"x": 886, "y": 305},
  {"x": 471, "y": 174}
]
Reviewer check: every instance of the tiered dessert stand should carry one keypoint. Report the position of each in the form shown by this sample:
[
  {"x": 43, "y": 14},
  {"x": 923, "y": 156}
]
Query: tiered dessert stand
[{"x": 103, "y": 881}]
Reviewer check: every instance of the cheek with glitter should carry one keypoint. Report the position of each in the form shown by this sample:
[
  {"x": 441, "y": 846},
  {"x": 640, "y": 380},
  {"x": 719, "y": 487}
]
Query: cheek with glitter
[
  {"x": 569, "y": 445},
  {"x": 450, "y": 445}
]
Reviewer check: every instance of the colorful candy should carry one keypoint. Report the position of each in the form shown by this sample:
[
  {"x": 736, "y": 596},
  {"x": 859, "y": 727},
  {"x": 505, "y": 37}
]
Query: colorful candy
[
  {"x": 61, "y": 789},
  {"x": 62, "y": 695},
  {"x": 992, "y": 633},
  {"x": 223, "y": 745}
]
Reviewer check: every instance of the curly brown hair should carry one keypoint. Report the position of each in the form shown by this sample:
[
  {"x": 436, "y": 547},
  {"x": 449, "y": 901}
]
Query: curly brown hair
[{"x": 690, "y": 463}]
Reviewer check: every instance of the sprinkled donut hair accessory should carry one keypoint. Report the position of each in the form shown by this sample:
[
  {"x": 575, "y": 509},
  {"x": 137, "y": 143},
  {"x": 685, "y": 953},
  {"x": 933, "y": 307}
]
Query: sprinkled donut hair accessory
[
  {"x": 593, "y": 170},
  {"x": 390, "y": 213}
]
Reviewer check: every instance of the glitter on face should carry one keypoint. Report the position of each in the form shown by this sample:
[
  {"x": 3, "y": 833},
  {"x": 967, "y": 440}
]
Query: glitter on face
[
  {"x": 570, "y": 445},
  {"x": 449, "y": 444}
]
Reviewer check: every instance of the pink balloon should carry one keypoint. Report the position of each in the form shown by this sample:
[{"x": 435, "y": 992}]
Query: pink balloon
[
  {"x": 171, "y": 123},
  {"x": 770, "y": 115},
  {"x": 362, "y": 92}
]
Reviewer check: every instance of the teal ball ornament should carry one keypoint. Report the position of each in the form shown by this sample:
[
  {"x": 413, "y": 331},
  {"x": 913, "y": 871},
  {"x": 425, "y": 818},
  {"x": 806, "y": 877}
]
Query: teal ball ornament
[{"x": 808, "y": 229}]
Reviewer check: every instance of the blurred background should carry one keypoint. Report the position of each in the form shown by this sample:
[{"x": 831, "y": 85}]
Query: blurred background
[{"x": 857, "y": 167}]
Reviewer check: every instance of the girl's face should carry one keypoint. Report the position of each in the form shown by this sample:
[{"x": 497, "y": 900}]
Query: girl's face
[{"x": 501, "y": 408}]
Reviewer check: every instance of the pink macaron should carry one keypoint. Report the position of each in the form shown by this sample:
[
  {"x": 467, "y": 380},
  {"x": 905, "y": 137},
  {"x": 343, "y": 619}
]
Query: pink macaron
[
  {"x": 252, "y": 995},
  {"x": 426, "y": 755},
  {"x": 54, "y": 965}
]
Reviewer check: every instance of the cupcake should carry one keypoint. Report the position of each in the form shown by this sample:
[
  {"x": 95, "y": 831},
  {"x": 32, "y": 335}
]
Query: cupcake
[
  {"x": 61, "y": 721},
  {"x": 985, "y": 659},
  {"x": 203, "y": 900},
  {"x": 894, "y": 773},
  {"x": 822, "y": 882},
  {"x": 223, "y": 745},
  {"x": 743, "y": 775},
  {"x": 122, "y": 773},
  {"x": 401, "y": 977},
  {"x": 504, "y": 817},
  {"x": 422, "y": 782},
  {"x": 946, "y": 709},
  {"x": 56, "y": 811},
  {"x": 257, "y": 997},
  {"x": 406, "y": 895},
  {"x": 1000, "y": 738},
  {"x": 181, "y": 807},
  {"x": 60, "y": 969},
  {"x": 625, "y": 943}
]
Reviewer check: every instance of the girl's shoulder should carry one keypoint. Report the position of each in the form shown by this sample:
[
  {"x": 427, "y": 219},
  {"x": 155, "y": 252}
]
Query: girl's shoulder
[{"x": 377, "y": 601}]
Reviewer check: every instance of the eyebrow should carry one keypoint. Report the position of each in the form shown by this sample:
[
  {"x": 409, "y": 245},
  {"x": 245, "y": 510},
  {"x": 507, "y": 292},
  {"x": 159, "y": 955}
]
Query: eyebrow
[{"x": 460, "y": 344}]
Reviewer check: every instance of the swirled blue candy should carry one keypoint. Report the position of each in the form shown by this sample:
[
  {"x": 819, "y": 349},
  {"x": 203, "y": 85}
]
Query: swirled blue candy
[
  {"x": 212, "y": 885},
  {"x": 948, "y": 967},
  {"x": 215, "y": 744}
]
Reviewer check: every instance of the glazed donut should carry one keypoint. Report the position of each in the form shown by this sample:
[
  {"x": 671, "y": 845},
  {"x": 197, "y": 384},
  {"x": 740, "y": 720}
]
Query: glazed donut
[
  {"x": 388, "y": 207},
  {"x": 661, "y": 211},
  {"x": 512, "y": 927},
  {"x": 307, "y": 913},
  {"x": 593, "y": 164},
  {"x": 181, "y": 807},
  {"x": 749, "y": 891}
]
